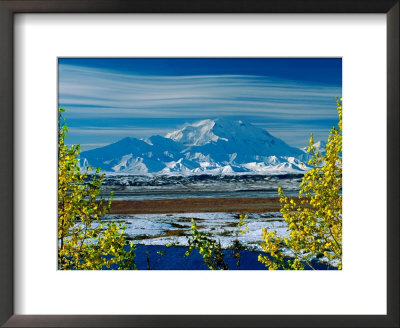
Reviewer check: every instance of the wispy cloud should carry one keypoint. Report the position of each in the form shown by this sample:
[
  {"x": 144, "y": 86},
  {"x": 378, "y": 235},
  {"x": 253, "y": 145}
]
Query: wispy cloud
[
  {"x": 130, "y": 132},
  {"x": 95, "y": 93}
]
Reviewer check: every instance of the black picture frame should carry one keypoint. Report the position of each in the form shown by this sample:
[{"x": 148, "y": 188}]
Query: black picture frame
[{"x": 10, "y": 7}]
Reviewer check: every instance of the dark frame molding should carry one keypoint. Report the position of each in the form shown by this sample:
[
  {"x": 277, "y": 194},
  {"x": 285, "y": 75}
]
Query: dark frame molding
[{"x": 7, "y": 10}]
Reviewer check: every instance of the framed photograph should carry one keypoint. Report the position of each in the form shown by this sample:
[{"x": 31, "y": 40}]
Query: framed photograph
[{"x": 199, "y": 163}]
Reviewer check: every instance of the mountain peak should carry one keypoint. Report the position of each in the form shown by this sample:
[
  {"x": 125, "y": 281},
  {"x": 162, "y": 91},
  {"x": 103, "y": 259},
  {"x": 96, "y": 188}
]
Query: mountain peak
[
  {"x": 195, "y": 134},
  {"x": 319, "y": 146},
  {"x": 208, "y": 130},
  {"x": 238, "y": 133}
]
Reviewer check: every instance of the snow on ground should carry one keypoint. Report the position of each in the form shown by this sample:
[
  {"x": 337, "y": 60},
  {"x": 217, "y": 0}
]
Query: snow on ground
[{"x": 162, "y": 229}]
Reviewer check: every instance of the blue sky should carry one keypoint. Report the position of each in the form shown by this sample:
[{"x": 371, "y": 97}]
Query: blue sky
[{"x": 107, "y": 99}]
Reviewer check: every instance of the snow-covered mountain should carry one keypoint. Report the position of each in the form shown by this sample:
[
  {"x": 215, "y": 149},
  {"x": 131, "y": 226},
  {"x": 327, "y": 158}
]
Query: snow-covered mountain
[{"x": 219, "y": 146}]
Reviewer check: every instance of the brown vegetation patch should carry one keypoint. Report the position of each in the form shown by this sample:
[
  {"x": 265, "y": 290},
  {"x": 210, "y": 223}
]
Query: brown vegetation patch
[
  {"x": 232, "y": 224},
  {"x": 225, "y": 233},
  {"x": 196, "y": 205},
  {"x": 168, "y": 233}
]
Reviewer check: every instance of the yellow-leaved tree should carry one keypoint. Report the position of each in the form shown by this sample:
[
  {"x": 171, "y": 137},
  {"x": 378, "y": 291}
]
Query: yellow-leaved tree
[
  {"x": 314, "y": 218},
  {"x": 84, "y": 242}
]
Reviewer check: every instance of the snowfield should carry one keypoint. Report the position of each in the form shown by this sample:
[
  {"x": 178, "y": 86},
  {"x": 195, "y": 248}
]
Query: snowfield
[{"x": 162, "y": 229}]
